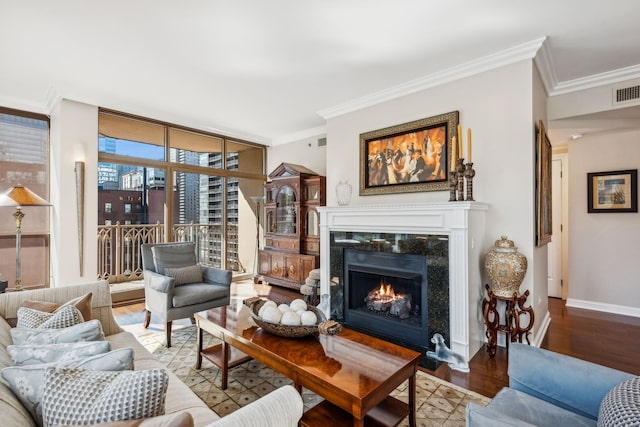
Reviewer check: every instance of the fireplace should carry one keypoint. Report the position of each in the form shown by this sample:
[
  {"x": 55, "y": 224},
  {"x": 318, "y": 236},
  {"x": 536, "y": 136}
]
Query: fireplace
[
  {"x": 449, "y": 235},
  {"x": 385, "y": 295}
]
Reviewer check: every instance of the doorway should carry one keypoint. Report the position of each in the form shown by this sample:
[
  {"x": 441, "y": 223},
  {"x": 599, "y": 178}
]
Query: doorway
[{"x": 557, "y": 248}]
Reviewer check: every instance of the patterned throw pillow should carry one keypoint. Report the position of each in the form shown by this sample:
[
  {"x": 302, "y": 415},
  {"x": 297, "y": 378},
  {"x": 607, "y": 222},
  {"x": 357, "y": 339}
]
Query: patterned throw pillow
[
  {"x": 27, "y": 382},
  {"x": 82, "y": 303},
  {"x": 62, "y": 318},
  {"x": 621, "y": 405},
  {"x": 86, "y": 331},
  {"x": 22, "y": 355},
  {"x": 80, "y": 397},
  {"x": 185, "y": 275}
]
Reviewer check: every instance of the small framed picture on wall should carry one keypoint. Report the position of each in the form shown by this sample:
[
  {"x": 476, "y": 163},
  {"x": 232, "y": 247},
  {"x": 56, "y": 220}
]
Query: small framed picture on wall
[{"x": 613, "y": 191}]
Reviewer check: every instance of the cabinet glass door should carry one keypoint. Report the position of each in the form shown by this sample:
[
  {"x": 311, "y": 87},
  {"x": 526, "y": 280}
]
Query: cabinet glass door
[
  {"x": 286, "y": 211},
  {"x": 313, "y": 192},
  {"x": 312, "y": 223}
]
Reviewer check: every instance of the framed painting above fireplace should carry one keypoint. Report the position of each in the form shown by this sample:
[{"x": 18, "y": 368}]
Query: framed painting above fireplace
[{"x": 410, "y": 157}]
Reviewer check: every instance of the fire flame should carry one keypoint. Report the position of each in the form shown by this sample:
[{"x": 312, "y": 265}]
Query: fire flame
[{"x": 386, "y": 293}]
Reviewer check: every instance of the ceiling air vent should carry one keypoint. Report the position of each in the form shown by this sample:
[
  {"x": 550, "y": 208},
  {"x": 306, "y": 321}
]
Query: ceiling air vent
[
  {"x": 626, "y": 94},
  {"x": 322, "y": 142}
]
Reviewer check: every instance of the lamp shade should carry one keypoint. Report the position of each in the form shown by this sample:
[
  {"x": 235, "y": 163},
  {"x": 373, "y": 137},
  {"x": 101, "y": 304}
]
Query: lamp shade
[{"x": 21, "y": 196}]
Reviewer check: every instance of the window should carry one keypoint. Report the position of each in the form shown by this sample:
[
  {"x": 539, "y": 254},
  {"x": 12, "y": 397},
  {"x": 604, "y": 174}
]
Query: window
[
  {"x": 130, "y": 137},
  {"x": 24, "y": 160},
  {"x": 200, "y": 189},
  {"x": 191, "y": 148},
  {"x": 107, "y": 208}
]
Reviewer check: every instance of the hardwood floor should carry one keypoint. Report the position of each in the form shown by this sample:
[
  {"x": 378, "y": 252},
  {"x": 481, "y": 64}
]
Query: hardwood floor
[{"x": 603, "y": 338}]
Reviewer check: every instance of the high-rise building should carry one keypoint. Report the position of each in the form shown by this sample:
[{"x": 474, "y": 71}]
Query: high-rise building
[{"x": 198, "y": 199}]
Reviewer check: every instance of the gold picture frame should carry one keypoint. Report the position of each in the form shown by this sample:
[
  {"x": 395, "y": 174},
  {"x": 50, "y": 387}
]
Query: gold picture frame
[
  {"x": 544, "y": 218},
  {"x": 411, "y": 157}
]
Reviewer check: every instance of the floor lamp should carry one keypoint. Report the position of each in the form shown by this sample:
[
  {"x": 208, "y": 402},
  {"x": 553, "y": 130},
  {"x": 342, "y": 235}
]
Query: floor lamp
[
  {"x": 257, "y": 200},
  {"x": 18, "y": 197}
]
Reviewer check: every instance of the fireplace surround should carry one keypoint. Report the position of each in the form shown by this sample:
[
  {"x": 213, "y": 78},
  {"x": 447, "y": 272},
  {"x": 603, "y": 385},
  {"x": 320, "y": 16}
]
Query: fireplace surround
[{"x": 388, "y": 228}]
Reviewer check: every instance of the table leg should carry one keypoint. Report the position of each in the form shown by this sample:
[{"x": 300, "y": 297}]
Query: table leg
[
  {"x": 225, "y": 364},
  {"x": 412, "y": 400},
  {"x": 199, "y": 339}
]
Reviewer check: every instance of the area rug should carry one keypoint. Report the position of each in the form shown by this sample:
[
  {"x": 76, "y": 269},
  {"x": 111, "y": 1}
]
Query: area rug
[{"x": 438, "y": 403}]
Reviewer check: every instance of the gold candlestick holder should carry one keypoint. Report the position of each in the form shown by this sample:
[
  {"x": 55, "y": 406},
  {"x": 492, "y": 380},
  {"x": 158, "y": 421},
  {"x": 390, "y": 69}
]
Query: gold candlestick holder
[{"x": 469, "y": 173}]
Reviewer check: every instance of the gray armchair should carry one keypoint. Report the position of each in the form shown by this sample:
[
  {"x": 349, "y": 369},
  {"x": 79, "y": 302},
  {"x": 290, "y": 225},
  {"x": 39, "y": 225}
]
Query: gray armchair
[{"x": 176, "y": 287}]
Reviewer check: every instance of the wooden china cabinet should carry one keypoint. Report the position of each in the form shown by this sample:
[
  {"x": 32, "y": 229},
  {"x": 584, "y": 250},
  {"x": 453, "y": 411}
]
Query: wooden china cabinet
[{"x": 292, "y": 232}]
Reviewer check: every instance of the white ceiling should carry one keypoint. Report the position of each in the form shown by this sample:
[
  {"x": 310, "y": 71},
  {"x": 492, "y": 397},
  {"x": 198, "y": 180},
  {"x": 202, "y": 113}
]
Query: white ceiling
[{"x": 262, "y": 70}]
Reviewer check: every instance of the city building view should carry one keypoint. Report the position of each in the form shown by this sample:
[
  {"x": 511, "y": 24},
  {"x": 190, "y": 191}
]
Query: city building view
[
  {"x": 136, "y": 196},
  {"x": 24, "y": 160},
  {"x": 156, "y": 183}
]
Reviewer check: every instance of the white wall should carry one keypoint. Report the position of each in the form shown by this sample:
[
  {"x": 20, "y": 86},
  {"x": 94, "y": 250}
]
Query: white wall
[
  {"x": 586, "y": 101},
  {"x": 604, "y": 272},
  {"x": 497, "y": 105},
  {"x": 304, "y": 152},
  {"x": 540, "y": 300},
  {"x": 74, "y": 134}
]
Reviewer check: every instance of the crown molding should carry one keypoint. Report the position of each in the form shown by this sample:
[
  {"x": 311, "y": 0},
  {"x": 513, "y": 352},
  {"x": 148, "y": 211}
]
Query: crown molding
[
  {"x": 595, "y": 80},
  {"x": 544, "y": 62},
  {"x": 477, "y": 66},
  {"x": 297, "y": 136}
]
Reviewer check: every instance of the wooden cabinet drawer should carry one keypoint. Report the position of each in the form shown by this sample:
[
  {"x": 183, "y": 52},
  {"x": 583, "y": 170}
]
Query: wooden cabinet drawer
[
  {"x": 312, "y": 247},
  {"x": 293, "y": 271},
  {"x": 278, "y": 266},
  {"x": 284, "y": 268},
  {"x": 286, "y": 245}
]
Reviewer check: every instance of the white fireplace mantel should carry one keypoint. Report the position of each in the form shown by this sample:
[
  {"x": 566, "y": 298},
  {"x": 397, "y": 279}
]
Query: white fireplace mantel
[{"x": 462, "y": 222}]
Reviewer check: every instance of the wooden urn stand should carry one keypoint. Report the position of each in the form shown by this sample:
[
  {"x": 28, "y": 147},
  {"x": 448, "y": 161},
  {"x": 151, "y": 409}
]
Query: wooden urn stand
[{"x": 513, "y": 328}]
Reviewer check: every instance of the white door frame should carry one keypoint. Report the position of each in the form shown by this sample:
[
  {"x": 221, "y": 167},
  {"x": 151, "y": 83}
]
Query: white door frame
[{"x": 563, "y": 155}]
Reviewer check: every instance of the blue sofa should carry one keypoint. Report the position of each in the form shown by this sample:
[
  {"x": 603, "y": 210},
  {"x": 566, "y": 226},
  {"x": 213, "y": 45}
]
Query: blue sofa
[{"x": 547, "y": 389}]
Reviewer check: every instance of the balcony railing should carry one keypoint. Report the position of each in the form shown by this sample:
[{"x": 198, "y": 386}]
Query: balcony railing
[{"x": 120, "y": 258}]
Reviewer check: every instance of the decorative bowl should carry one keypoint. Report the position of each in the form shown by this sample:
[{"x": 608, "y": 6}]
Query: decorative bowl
[{"x": 286, "y": 331}]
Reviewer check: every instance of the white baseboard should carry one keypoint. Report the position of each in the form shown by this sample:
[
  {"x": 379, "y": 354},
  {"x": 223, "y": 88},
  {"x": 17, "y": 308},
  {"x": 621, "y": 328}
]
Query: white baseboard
[
  {"x": 537, "y": 340},
  {"x": 608, "y": 308}
]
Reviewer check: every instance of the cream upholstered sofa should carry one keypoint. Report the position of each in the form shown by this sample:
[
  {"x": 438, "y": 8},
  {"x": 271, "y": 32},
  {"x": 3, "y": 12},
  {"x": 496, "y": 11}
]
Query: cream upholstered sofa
[{"x": 284, "y": 405}]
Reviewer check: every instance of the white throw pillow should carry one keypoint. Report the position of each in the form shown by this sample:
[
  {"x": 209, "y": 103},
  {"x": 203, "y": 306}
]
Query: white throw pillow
[
  {"x": 22, "y": 355},
  {"x": 81, "y": 397},
  {"x": 27, "y": 382},
  {"x": 85, "y": 331}
]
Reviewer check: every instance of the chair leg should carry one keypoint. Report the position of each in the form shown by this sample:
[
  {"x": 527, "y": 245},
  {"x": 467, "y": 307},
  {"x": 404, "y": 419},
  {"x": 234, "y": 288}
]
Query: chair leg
[
  {"x": 147, "y": 319},
  {"x": 167, "y": 329}
]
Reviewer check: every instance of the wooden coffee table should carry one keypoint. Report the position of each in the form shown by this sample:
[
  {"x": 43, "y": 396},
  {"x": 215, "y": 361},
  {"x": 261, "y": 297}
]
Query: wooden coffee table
[{"x": 353, "y": 372}]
